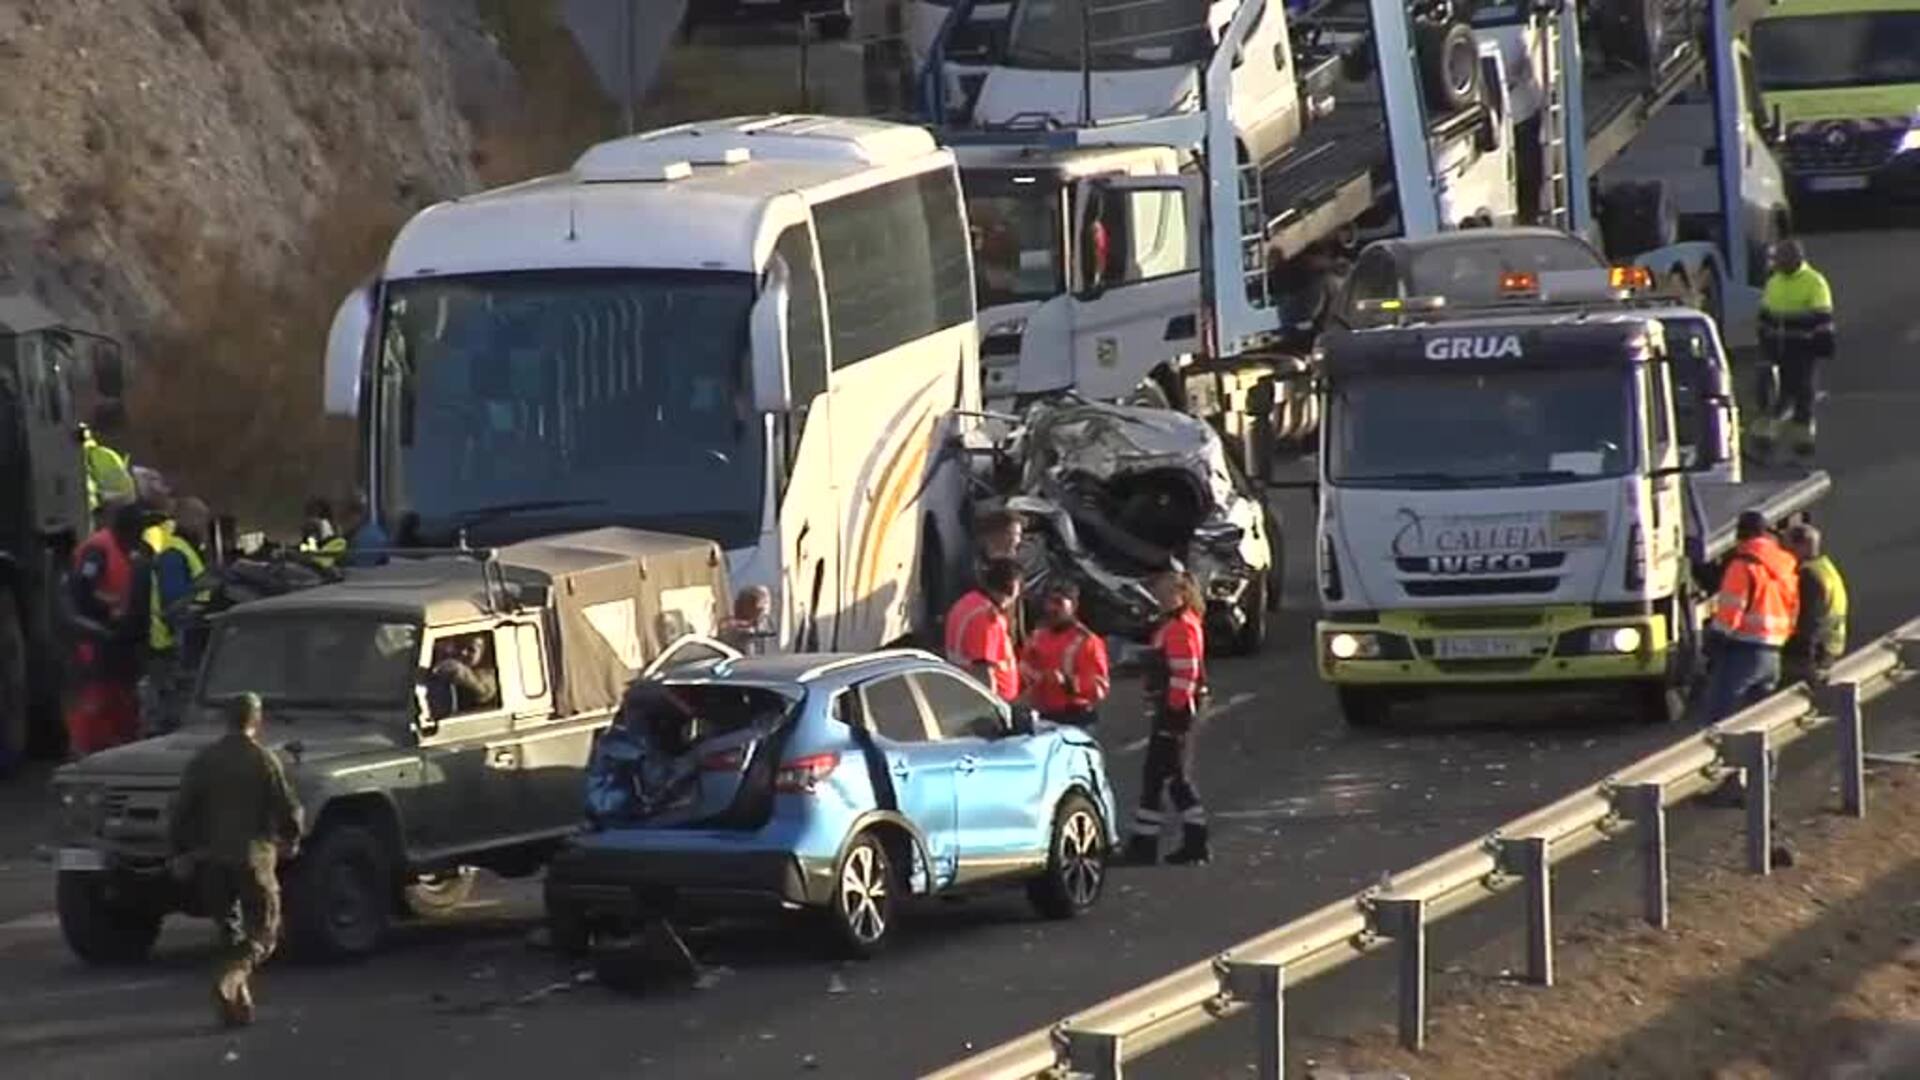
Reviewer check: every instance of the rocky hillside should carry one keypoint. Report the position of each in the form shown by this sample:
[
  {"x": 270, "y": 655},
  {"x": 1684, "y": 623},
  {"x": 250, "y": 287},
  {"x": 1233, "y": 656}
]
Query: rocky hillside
[{"x": 205, "y": 178}]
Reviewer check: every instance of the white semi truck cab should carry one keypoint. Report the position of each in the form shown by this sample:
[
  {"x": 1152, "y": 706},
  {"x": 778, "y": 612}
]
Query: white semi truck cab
[{"x": 1512, "y": 500}]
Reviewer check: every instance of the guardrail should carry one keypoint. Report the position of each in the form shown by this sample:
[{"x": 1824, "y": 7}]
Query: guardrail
[{"x": 1256, "y": 973}]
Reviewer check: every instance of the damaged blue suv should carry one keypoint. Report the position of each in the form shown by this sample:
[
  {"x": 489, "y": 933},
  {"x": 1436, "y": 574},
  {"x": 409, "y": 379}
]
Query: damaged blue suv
[{"x": 838, "y": 785}]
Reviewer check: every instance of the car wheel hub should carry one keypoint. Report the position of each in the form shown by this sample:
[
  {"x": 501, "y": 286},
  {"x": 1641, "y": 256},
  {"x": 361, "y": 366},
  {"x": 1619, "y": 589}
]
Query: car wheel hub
[
  {"x": 1080, "y": 864},
  {"x": 863, "y": 894}
]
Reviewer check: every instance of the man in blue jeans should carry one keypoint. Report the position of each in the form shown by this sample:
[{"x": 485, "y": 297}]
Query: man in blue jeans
[{"x": 1753, "y": 616}]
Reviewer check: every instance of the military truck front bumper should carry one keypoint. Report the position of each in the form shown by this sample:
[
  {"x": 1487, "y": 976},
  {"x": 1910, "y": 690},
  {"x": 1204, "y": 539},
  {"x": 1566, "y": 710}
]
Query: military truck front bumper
[{"x": 1478, "y": 647}]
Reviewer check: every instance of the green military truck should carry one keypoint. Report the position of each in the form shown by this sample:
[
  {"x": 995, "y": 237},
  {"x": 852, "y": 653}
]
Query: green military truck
[
  {"x": 53, "y": 378},
  {"x": 410, "y": 778}
]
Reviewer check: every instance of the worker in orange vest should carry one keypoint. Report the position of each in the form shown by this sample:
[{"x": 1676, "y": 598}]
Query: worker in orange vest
[
  {"x": 979, "y": 635},
  {"x": 1176, "y": 686},
  {"x": 110, "y": 592},
  {"x": 1753, "y": 616},
  {"x": 1064, "y": 664}
]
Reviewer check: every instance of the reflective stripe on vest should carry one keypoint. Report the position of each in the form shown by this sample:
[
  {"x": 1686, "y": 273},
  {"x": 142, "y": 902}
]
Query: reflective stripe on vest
[{"x": 160, "y": 634}]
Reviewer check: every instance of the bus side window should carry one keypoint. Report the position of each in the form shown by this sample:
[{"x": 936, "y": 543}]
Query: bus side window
[{"x": 806, "y": 332}]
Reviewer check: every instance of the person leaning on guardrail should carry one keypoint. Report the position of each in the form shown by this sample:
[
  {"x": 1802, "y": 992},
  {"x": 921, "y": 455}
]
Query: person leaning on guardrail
[
  {"x": 1753, "y": 616},
  {"x": 1820, "y": 633}
]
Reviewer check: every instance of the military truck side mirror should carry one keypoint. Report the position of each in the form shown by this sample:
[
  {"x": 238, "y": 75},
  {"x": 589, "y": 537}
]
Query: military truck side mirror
[
  {"x": 346, "y": 352},
  {"x": 772, "y": 377},
  {"x": 424, "y": 722}
]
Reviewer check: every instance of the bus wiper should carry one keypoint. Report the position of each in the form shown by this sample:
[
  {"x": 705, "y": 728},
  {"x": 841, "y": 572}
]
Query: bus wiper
[{"x": 480, "y": 515}]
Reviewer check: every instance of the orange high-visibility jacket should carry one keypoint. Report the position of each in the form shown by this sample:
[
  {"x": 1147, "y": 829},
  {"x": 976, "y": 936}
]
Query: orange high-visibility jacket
[
  {"x": 977, "y": 633},
  {"x": 1067, "y": 668},
  {"x": 1182, "y": 642},
  {"x": 1759, "y": 597}
]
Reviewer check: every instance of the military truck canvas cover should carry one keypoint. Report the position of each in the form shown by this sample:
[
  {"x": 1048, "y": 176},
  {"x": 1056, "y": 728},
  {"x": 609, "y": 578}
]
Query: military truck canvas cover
[{"x": 619, "y": 597}]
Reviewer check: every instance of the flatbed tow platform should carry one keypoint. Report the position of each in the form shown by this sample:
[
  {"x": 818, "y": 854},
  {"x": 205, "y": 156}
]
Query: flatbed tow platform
[{"x": 1342, "y": 164}]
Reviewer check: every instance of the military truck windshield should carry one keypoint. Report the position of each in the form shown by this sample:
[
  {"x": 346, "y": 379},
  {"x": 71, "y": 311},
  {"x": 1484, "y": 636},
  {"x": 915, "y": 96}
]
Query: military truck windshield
[
  {"x": 1813, "y": 52},
  {"x": 1462, "y": 430},
  {"x": 575, "y": 398},
  {"x": 314, "y": 661},
  {"x": 1019, "y": 235},
  {"x": 1116, "y": 34}
]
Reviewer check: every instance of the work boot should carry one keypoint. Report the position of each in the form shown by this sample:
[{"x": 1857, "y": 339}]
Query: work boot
[
  {"x": 1193, "y": 847},
  {"x": 1142, "y": 850}
]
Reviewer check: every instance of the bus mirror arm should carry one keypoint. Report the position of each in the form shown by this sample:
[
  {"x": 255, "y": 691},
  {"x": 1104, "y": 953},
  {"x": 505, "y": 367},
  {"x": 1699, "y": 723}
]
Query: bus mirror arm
[{"x": 772, "y": 379}]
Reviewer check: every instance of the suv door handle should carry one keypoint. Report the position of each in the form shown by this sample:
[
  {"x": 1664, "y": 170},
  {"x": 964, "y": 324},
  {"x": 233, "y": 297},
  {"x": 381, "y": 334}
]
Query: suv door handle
[
  {"x": 900, "y": 768},
  {"x": 967, "y": 763}
]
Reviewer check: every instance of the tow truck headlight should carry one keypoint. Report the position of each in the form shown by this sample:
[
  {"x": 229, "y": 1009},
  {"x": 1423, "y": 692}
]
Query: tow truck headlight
[
  {"x": 1616, "y": 639},
  {"x": 1910, "y": 142},
  {"x": 1344, "y": 646}
]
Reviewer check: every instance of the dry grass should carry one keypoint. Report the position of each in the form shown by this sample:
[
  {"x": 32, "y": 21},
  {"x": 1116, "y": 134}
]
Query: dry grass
[{"x": 228, "y": 402}]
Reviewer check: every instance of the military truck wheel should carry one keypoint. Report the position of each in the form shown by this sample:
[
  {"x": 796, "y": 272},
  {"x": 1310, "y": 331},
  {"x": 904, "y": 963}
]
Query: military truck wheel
[
  {"x": 341, "y": 900},
  {"x": 14, "y": 704},
  {"x": 101, "y": 928},
  {"x": 438, "y": 896}
]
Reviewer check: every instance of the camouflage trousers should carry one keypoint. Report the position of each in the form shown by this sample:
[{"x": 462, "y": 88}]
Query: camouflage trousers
[{"x": 244, "y": 900}]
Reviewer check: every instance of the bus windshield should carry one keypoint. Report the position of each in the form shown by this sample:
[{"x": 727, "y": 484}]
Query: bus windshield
[
  {"x": 1815, "y": 52},
  {"x": 1113, "y": 35},
  {"x": 522, "y": 404},
  {"x": 1019, "y": 236},
  {"x": 1468, "y": 429}
]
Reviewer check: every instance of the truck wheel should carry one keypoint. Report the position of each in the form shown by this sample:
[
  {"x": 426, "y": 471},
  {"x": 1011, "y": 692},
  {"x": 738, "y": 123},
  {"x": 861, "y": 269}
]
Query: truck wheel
[
  {"x": 1631, "y": 31},
  {"x": 438, "y": 896},
  {"x": 99, "y": 927},
  {"x": 14, "y": 703},
  {"x": 1364, "y": 707},
  {"x": 340, "y": 902},
  {"x": 1449, "y": 65}
]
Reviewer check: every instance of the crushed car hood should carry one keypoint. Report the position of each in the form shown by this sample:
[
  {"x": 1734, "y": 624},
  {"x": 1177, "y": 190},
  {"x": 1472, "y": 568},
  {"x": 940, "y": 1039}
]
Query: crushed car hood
[{"x": 1107, "y": 442}]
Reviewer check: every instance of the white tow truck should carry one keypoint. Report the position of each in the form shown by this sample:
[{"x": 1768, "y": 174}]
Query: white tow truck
[
  {"x": 1081, "y": 162},
  {"x": 1518, "y": 496}
]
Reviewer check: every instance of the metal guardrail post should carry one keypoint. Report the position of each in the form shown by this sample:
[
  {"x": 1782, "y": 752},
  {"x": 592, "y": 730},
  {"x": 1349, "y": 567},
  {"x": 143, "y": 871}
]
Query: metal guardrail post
[
  {"x": 1645, "y": 805},
  {"x": 1405, "y": 921},
  {"x": 1529, "y": 857},
  {"x": 1092, "y": 1055},
  {"x": 1842, "y": 702},
  {"x": 1748, "y": 750},
  {"x": 1264, "y": 988}
]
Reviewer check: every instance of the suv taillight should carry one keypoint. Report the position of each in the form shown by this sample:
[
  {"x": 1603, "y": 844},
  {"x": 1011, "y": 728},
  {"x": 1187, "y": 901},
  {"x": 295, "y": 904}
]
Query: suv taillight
[
  {"x": 1636, "y": 557},
  {"x": 801, "y": 775}
]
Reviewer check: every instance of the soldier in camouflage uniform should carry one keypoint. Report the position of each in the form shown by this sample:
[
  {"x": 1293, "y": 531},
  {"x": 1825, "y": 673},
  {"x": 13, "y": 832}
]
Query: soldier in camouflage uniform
[{"x": 235, "y": 817}]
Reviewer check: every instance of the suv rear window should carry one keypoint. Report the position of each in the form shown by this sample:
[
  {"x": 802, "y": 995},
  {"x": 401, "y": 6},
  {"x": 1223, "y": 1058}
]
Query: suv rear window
[{"x": 718, "y": 709}]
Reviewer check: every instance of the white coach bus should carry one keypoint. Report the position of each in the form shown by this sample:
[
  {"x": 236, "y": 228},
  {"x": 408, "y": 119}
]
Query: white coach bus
[{"x": 757, "y": 330}]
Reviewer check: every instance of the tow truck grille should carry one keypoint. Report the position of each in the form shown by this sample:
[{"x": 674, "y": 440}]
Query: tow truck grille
[{"x": 1482, "y": 586}]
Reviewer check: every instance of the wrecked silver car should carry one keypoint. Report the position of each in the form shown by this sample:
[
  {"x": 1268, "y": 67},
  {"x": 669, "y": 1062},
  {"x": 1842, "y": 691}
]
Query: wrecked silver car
[{"x": 1114, "y": 493}]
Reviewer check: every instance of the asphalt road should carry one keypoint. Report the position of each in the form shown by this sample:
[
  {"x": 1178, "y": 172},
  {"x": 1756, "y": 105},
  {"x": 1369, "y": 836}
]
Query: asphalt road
[{"x": 1306, "y": 812}]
